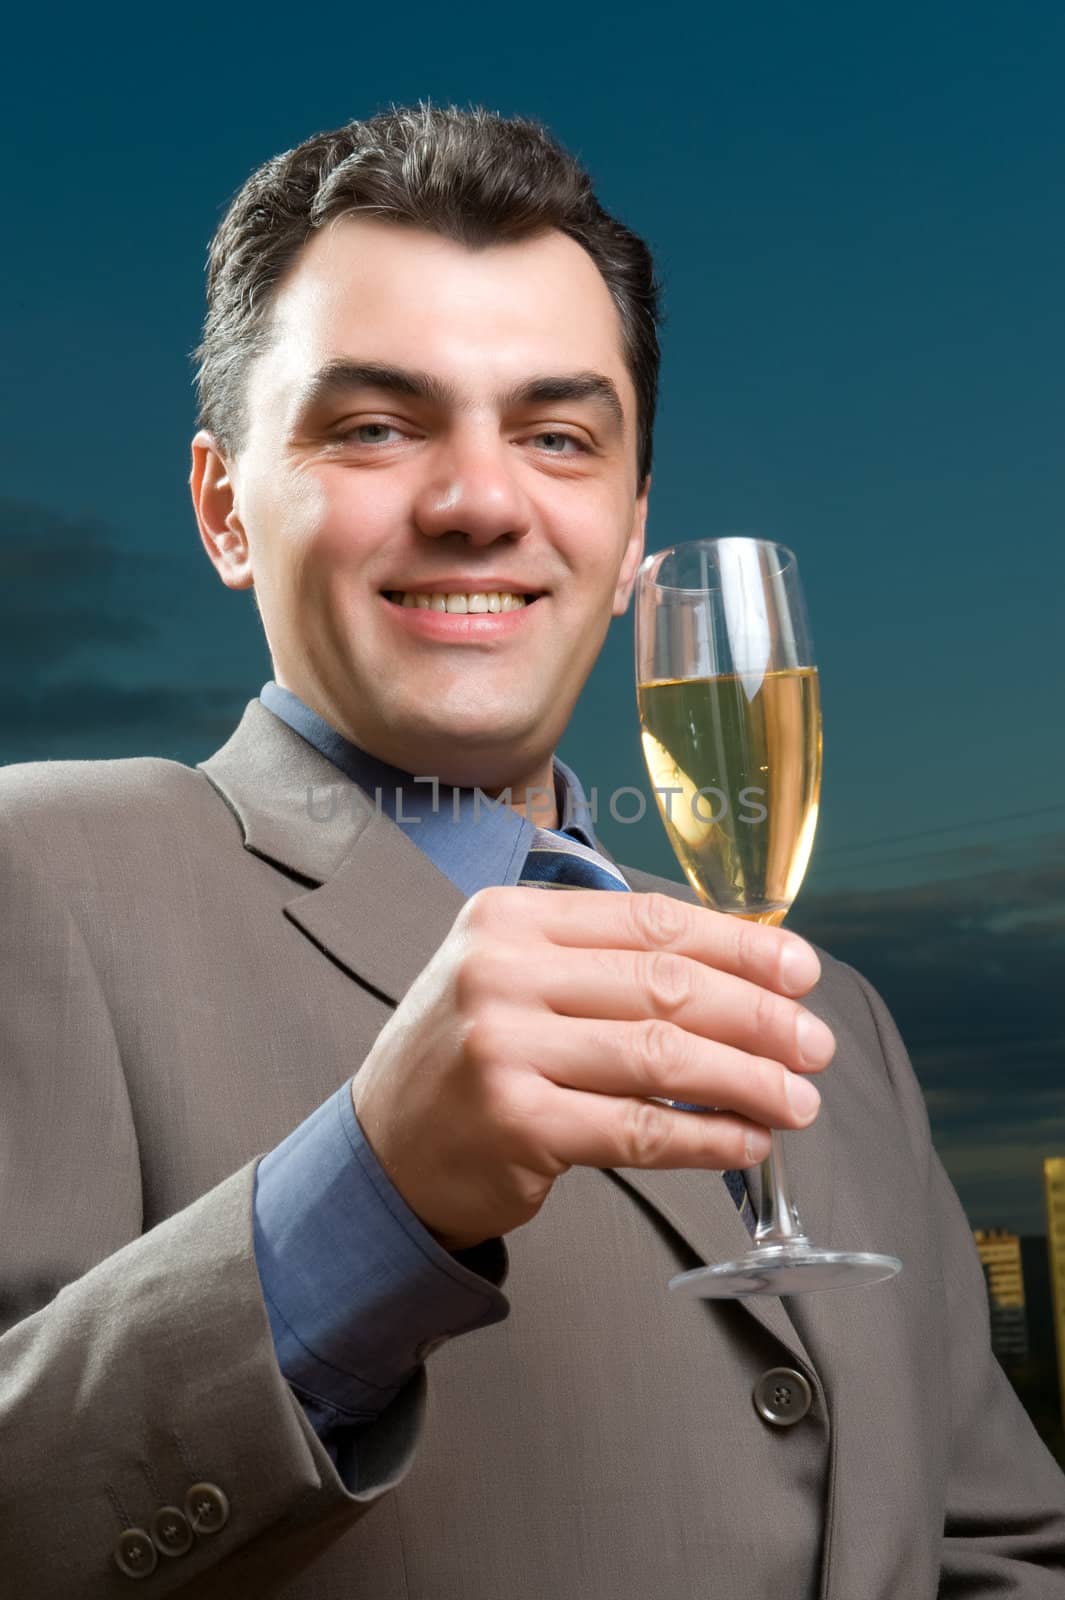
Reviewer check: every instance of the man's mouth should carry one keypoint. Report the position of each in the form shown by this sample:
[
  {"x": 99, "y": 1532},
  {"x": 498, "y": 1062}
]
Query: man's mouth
[{"x": 460, "y": 604}]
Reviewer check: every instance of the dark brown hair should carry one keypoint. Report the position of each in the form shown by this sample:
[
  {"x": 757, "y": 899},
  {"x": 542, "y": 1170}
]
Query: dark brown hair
[{"x": 471, "y": 176}]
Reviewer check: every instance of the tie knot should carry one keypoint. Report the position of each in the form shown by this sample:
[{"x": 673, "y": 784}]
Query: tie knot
[{"x": 557, "y": 861}]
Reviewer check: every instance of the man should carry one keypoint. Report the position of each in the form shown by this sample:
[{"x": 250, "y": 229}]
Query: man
[{"x": 293, "y": 1041}]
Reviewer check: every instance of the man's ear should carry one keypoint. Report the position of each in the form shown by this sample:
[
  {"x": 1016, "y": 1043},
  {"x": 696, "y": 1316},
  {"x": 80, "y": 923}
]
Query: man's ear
[
  {"x": 214, "y": 502},
  {"x": 630, "y": 561}
]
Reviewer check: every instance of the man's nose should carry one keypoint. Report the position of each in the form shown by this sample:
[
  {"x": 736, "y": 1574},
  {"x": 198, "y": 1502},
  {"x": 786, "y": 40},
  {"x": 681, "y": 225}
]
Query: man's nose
[{"x": 473, "y": 490}]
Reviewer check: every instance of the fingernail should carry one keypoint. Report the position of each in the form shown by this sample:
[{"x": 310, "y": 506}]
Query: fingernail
[
  {"x": 757, "y": 1144},
  {"x": 803, "y": 1097},
  {"x": 817, "y": 1042},
  {"x": 799, "y": 966}
]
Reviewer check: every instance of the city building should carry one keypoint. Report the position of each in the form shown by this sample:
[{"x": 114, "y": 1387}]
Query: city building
[
  {"x": 1000, "y": 1253},
  {"x": 1054, "y": 1182}
]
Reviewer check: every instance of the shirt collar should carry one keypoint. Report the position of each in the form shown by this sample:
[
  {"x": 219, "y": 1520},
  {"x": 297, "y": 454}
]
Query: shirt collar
[{"x": 472, "y": 840}]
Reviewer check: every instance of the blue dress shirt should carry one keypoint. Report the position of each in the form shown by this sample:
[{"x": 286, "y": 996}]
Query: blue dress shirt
[{"x": 357, "y": 1290}]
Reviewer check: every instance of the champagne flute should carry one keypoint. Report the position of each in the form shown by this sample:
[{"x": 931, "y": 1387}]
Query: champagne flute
[{"x": 731, "y": 725}]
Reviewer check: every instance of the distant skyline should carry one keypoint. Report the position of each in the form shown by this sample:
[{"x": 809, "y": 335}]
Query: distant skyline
[{"x": 858, "y": 224}]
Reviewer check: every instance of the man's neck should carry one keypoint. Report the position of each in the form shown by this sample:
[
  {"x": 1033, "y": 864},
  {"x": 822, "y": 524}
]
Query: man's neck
[
  {"x": 533, "y": 797},
  {"x": 532, "y": 794}
]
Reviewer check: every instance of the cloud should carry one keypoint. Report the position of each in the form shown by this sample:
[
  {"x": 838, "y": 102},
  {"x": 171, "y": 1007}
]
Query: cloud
[
  {"x": 1000, "y": 1181},
  {"x": 971, "y": 969},
  {"x": 96, "y": 720},
  {"x": 61, "y": 590},
  {"x": 95, "y": 656}
]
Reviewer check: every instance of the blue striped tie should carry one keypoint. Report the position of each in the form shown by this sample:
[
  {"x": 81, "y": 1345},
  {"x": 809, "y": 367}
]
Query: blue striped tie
[{"x": 557, "y": 861}]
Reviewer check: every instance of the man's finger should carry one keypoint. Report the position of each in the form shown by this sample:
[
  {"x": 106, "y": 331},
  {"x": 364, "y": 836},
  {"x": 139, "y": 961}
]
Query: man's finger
[
  {"x": 625, "y": 1060},
  {"x": 637, "y": 985},
  {"x": 771, "y": 957},
  {"x": 606, "y": 1131}
]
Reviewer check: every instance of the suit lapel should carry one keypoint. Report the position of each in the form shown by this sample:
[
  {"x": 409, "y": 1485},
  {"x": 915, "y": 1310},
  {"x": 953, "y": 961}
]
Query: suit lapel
[
  {"x": 385, "y": 910},
  {"x": 374, "y": 902}
]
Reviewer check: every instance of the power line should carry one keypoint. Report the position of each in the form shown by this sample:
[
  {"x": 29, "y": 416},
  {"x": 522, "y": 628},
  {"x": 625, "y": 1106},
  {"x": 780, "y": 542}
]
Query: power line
[
  {"x": 913, "y": 855},
  {"x": 950, "y": 827}
]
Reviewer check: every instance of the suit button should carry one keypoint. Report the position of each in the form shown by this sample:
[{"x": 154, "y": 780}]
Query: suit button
[
  {"x": 135, "y": 1553},
  {"x": 782, "y": 1396},
  {"x": 206, "y": 1507},
  {"x": 171, "y": 1532}
]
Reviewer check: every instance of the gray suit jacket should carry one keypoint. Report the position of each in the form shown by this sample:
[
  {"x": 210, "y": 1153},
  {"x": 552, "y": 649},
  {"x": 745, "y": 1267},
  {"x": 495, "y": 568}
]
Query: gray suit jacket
[{"x": 191, "y": 964}]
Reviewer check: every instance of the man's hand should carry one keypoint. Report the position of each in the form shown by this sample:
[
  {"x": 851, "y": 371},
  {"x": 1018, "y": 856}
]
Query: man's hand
[{"x": 535, "y": 1037}]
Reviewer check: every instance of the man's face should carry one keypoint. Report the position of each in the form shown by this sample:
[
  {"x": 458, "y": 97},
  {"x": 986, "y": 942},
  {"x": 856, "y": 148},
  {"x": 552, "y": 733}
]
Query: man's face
[{"x": 432, "y": 420}]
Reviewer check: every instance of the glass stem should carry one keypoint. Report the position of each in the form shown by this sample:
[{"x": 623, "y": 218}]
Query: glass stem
[{"x": 778, "y": 1220}]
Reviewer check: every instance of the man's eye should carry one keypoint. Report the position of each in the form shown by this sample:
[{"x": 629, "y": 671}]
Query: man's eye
[
  {"x": 555, "y": 443},
  {"x": 369, "y": 432}
]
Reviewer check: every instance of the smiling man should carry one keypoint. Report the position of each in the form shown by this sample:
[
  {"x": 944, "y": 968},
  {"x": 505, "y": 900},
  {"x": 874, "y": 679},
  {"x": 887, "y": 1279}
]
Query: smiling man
[
  {"x": 445, "y": 425},
  {"x": 290, "y": 1090}
]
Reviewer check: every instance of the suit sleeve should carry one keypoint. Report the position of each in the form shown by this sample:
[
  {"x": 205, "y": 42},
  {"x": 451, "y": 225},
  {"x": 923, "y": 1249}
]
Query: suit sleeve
[
  {"x": 357, "y": 1290},
  {"x": 1004, "y": 1521},
  {"x": 134, "y": 1367}
]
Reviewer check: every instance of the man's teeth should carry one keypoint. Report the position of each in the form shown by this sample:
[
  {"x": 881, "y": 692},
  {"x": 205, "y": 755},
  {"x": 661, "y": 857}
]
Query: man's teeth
[{"x": 460, "y": 603}]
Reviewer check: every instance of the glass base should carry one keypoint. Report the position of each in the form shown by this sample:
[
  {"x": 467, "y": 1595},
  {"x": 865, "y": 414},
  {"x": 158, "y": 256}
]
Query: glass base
[{"x": 795, "y": 1268}]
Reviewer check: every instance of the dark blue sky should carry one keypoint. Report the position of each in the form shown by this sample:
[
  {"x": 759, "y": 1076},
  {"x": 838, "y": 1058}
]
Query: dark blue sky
[{"x": 858, "y": 216}]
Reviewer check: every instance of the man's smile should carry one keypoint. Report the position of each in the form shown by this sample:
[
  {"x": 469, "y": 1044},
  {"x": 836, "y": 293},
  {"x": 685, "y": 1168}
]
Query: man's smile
[
  {"x": 462, "y": 602},
  {"x": 475, "y": 616}
]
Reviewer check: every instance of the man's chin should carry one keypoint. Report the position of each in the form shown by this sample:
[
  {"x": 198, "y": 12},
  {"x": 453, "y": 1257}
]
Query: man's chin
[{"x": 470, "y": 753}]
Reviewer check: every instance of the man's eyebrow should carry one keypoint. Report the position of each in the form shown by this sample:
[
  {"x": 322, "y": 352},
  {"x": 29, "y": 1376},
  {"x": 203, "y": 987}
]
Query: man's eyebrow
[
  {"x": 338, "y": 379},
  {"x": 594, "y": 386}
]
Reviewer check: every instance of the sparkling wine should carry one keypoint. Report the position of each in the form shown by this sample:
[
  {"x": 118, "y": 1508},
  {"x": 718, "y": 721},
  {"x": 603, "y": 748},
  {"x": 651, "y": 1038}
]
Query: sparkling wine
[{"x": 742, "y": 757}]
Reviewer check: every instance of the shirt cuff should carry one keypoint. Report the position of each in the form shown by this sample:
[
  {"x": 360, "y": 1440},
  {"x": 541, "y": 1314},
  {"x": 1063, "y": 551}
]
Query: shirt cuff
[{"x": 357, "y": 1290}]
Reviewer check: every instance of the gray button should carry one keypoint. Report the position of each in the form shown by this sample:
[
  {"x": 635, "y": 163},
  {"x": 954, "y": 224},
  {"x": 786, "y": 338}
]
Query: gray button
[
  {"x": 135, "y": 1553},
  {"x": 171, "y": 1532},
  {"x": 782, "y": 1396},
  {"x": 206, "y": 1507}
]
